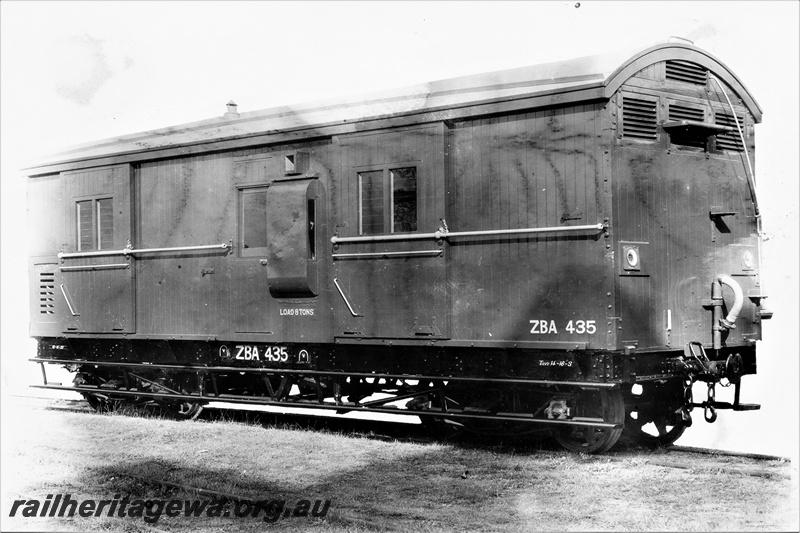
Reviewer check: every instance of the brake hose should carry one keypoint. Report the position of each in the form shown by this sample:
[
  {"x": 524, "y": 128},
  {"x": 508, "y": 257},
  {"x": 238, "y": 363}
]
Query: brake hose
[{"x": 751, "y": 178}]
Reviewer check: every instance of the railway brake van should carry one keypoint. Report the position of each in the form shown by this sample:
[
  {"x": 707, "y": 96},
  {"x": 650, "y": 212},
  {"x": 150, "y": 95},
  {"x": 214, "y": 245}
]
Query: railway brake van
[{"x": 563, "y": 248}]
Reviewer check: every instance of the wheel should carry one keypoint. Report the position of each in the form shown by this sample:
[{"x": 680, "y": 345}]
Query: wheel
[
  {"x": 181, "y": 410},
  {"x": 442, "y": 428},
  {"x": 475, "y": 402},
  {"x": 654, "y": 413},
  {"x": 606, "y": 404},
  {"x": 100, "y": 402},
  {"x": 663, "y": 432}
]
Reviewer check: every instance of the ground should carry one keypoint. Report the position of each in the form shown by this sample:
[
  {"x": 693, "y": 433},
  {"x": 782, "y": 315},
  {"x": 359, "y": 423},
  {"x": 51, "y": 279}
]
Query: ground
[{"x": 373, "y": 482}]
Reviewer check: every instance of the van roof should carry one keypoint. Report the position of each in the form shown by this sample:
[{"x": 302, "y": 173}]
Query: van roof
[{"x": 587, "y": 78}]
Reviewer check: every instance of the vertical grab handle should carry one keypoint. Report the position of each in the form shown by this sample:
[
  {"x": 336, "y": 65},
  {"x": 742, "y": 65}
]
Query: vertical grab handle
[{"x": 312, "y": 229}]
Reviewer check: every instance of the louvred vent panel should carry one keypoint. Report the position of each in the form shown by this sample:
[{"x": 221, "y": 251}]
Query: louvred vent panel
[
  {"x": 639, "y": 118},
  {"x": 730, "y": 140},
  {"x": 686, "y": 72},
  {"x": 682, "y": 112},
  {"x": 47, "y": 285}
]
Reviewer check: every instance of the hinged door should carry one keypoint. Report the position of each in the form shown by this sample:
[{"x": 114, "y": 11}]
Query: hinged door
[
  {"x": 390, "y": 282},
  {"x": 96, "y": 278}
]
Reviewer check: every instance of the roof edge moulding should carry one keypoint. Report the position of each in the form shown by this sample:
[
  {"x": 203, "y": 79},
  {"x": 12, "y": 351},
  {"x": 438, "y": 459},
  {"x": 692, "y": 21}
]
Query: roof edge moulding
[{"x": 587, "y": 78}]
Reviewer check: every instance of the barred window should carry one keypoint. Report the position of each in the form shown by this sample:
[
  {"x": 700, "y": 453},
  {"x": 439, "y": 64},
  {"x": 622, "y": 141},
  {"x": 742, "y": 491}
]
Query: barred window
[
  {"x": 95, "y": 224},
  {"x": 404, "y": 199},
  {"x": 387, "y": 201},
  {"x": 372, "y": 208},
  {"x": 253, "y": 222}
]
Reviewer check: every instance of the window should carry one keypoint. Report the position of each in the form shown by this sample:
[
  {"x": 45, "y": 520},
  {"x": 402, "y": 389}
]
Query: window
[
  {"x": 387, "y": 201},
  {"x": 253, "y": 222},
  {"x": 404, "y": 199},
  {"x": 95, "y": 224},
  {"x": 370, "y": 187}
]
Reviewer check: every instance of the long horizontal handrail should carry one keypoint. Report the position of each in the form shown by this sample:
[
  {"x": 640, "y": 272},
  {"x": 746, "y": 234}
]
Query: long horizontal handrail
[
  {"x": 223, "y": 246},
  {"x": 413, "y": 253},
  {"x": 450, "y": 234},
  {"x": 95, "y": 267},
  {"x": 133, "y": 251}
]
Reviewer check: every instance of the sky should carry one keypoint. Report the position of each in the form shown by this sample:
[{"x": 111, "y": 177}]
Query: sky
[{"x": 73, "y": 72}]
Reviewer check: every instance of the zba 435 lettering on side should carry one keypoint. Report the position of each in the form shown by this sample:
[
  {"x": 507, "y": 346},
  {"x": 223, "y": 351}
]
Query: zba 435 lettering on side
[
  {"x": 270, "y": 353},
  {"x": 577, "y": 327}
]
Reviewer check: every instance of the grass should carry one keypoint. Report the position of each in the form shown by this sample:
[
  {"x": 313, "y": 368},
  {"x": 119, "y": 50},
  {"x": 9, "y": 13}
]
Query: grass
[{"x": 374, "y": 484}]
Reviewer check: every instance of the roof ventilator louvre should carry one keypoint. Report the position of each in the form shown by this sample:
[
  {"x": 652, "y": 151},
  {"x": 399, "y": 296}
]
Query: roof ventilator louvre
[
  {"x": 639, "y": 118},
  {"x": 686, "y": 72},
  {"x": 729, "y": 140},
  {"x": 681, "y": 112}
]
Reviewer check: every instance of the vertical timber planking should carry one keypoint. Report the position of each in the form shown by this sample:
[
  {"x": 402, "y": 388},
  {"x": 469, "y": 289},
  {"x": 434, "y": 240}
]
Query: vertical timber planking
[
  {"x": 185, "y": 202},
  {"x": 518, "y": 172}
]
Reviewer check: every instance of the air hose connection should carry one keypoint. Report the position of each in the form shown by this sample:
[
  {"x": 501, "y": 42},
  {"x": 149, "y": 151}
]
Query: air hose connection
[{"x": 729, "y": 322}]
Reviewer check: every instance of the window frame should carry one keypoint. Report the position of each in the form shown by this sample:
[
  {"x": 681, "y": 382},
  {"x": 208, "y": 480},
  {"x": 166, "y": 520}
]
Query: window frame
[
  {"x": 242, "y": 191},
  {"x": 97, "y": 227},
  {"x": 387, "y": 178},
  {"x": 360, "y": 193}
]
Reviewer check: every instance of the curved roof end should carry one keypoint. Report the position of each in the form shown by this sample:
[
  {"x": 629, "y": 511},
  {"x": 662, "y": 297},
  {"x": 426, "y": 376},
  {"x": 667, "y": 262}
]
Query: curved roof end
[{"x": 682, "y": 52}]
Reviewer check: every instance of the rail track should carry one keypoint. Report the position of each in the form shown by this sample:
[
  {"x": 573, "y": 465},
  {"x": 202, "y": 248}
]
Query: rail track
[{"x": 675, "y": 456}]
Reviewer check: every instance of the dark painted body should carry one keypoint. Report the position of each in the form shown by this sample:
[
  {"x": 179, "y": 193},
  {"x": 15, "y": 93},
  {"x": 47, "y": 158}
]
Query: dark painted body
[{"x": 550, "y": 153}]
